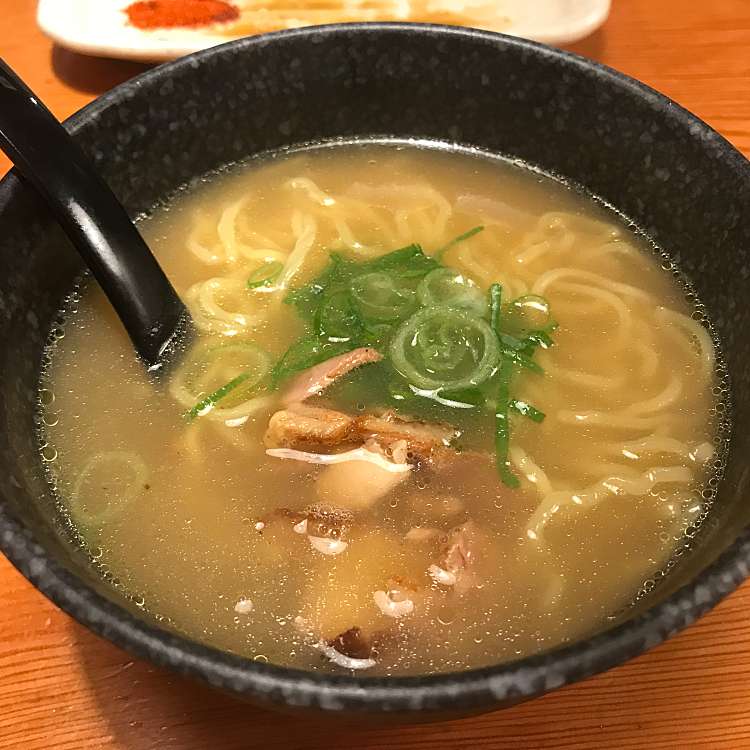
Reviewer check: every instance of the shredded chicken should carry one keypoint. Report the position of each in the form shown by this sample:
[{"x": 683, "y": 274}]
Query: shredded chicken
[
  {"x": 463, "y": 466},
  {"x": 391, "y": 607},
  {"x": 456, "y": 562},
  {"x": 399, "y": 598},
  {"x": 315, "y": 380},
  {"x": 338, "y": 608}
]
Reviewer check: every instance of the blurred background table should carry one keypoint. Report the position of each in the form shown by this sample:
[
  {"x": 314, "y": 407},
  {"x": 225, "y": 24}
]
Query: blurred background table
[{"x": 61, "y": 687}]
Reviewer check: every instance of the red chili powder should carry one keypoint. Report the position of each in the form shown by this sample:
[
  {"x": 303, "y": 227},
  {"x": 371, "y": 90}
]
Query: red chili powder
[{"x": 155, "y": 14}]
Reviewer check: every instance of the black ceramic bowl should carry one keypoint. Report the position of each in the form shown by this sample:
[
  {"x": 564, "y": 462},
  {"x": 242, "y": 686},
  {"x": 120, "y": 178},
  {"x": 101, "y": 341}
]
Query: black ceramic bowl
[{"x": 670, "y": 173}]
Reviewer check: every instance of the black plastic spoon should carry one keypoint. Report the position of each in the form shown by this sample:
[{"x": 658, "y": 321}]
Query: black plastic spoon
[{"x": 93, "y": 218}]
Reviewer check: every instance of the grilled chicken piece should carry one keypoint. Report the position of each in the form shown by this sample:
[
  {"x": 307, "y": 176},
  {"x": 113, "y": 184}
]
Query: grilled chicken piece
[
  {"x": 356, "y": 483},
  {"x": 421, "y": 437},
  {"x": 315, "y": 380},
  {"x": 302, "y": 425}
]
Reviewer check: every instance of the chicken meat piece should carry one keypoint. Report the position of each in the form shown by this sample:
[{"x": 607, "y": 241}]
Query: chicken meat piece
[
  {"x": 456, "y": 565},
  {"x": 304, "y": 425},
  {"x": 358, "y": 485},
  {"x": 315, "y": 380},
  {"x": 383, "y": 449},
  {"x": 421, "y": 438},
  {"x": 353, "y": 643},
  {"x": 325, "y": 527}
]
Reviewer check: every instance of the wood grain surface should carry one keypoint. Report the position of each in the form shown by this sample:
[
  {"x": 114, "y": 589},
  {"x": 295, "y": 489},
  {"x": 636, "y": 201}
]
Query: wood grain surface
[{"x": 61, "y": 687}]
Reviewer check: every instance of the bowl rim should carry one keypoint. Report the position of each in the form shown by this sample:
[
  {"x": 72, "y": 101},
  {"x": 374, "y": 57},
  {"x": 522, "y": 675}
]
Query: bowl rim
[{"x": 475, "y": 689}]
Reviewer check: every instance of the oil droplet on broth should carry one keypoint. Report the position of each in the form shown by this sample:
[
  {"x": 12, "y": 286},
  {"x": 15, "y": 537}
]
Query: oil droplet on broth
[{"x": 49, "y": 453}]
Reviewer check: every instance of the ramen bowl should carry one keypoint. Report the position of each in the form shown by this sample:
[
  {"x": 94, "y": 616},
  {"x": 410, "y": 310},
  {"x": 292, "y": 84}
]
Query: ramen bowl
[{"x": 668, "y": 172}]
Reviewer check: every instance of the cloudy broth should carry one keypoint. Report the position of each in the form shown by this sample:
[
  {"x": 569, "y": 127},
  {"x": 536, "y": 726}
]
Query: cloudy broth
[{"x": 372, "y": 523}]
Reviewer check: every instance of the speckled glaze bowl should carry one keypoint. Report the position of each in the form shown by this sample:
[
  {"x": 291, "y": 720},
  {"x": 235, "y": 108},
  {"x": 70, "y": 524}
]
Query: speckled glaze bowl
[{"x": 674, "y": 176}]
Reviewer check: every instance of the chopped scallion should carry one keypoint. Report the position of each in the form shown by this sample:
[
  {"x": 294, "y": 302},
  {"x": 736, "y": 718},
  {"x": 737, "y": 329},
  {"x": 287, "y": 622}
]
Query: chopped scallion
[
  {"x": 447, "y": 345},
  {"x": 496, "y": 300},
  {"x": 502, "y": 427},
  {"x": 212, "y": 399},
  {"x": 461, "y": 238},
  {"x": 523, "y": 360},
  {"x": 527, "y": 410},
  {"x": 445, "y": 287},
  {"x": 265, "y": 275}
]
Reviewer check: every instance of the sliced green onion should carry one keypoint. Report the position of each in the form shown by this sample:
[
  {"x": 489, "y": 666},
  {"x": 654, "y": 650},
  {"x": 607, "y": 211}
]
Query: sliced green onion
[
  {"x": 526, "y": 346},
  {"x": 459, "y": 349},
  {"x": 212, "y": 399},
  {"x": 380, "y": 296},
  {"x": 337, "y": 319},
  {"x": 105, "y": 486},
  {"x": 502, "y": 427},
  {"x": 527, "y": 410},
  {"x": 496, "y": 299},
  {"x": 530, "y": 312},
  {"x": 538, "y": 338},
  {"x": 444, "y": 348},
  {"x": 406, "y": 262},
  {"x": 461, "y": 237},
  {"x": 523, "y": 360},
  {"x": 265, "y": 275},
  {"x": 511, "y": 342},
  {"x": 210, "y": 365},
  {"x": 450, "y": 288}
]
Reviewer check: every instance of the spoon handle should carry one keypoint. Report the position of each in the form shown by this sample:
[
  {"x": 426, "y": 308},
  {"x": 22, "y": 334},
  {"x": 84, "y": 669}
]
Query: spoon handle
[{"x": 92, "y": 217}]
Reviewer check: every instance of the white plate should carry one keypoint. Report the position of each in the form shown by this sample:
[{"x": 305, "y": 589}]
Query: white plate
[{"x": 100, "y": 27}]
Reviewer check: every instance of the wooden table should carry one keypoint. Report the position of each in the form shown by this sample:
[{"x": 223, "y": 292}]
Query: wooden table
[{"x": 61, "y": 687}]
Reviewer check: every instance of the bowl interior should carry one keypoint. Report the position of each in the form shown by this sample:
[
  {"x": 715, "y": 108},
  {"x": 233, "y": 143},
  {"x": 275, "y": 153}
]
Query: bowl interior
[{"x": 674, "y": 177}]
